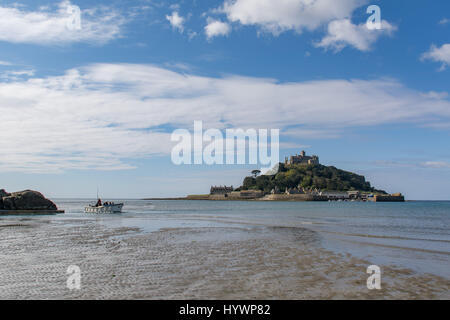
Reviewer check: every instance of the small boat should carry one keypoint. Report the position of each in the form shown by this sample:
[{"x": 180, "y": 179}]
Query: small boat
[{"x": 107, "y": 207}]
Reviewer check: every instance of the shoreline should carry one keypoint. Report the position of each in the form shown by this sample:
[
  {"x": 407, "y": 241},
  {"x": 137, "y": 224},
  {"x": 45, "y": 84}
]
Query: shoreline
[
  {"x": 258, "y": 200},
  {"x": 30, "y": 212},
  {"x": 277, "y": 198}
]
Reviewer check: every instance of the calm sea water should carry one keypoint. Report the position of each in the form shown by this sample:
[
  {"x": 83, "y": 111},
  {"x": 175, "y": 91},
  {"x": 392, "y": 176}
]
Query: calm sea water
[{"x": 415, "y": 235}]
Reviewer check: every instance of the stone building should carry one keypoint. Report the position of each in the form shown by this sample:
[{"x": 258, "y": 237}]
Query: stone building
[
  {"x": 221, "y": 190},
  {"x": 302, "y": 158}
]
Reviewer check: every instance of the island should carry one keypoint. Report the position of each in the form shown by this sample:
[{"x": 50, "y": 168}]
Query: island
[
  {"x": 27, "y": 202},
  {"x": 300, "y": 178}
]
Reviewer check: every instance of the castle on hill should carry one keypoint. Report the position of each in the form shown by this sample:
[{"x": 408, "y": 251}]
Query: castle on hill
[{"x": 301, "y": 158}]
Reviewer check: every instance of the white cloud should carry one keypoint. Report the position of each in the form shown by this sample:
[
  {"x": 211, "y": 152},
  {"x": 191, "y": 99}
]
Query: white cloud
[
  {"x": 437, "y": 54},
  {"x": 192, "y": 34},
  {"x": 436, "y": 164},
  {"x": 50, "y": 27},
  {"x": 436, "y": 95},
  {"x": 312, "y": 133},
  {"x": 412, "y": 163},
  {"x": 217, "y": 28},
  {"x": 343, "y": 32},
  {"x": 444, "y": 21},
  {"x": 13, "y": 75},
  {"x": 103, "y": 115},
  {"x": 277, "y": 16},
  {"x": 176, "y": 21},
  {"x": 5, "y": 63}
]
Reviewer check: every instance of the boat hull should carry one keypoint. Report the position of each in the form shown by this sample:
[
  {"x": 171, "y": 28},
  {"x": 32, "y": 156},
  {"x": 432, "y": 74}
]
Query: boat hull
[{"x": 117, "y": 208}]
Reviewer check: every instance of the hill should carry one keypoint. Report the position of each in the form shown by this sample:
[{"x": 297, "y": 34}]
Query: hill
[{"x": 314, "y": 176}]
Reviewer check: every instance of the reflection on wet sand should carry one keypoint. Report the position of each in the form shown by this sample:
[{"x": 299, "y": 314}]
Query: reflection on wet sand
[{"x": 230, "y": 262}]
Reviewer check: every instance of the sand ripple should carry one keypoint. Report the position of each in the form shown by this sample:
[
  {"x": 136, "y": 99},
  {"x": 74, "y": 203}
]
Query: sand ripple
[{"x": 200, "y": 263}]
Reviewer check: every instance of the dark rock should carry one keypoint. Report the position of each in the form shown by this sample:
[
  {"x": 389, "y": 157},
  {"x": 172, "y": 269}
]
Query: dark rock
[
  {"x": 3, "y": 193},
  {"x": 8, "y": 203},
  {"x": 27, "y": 200}
]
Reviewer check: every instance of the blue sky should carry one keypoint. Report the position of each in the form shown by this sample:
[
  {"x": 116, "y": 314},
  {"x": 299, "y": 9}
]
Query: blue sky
[{"x": 96, "y": 106}]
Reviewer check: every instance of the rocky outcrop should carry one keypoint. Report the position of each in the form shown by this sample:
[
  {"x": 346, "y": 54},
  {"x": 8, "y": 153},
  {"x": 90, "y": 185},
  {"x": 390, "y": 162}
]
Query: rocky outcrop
[
  {"x": 25, "y": 200},
  {"x": 3, "y": 193}
]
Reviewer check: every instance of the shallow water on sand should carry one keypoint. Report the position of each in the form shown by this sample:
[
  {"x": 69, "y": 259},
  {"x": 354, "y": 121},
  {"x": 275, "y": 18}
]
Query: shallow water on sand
[
  {"x": 412, "y": 234},
  {"x": 230, "y": 250}
]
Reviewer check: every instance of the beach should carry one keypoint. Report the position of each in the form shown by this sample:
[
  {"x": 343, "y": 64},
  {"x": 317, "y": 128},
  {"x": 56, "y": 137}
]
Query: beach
[{"x": 158, "y": 251}]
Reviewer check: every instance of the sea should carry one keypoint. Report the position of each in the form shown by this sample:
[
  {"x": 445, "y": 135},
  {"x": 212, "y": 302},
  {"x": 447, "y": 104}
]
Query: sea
[
  {"x": 229, "y": 250},
  {"x": 413, "y": 235}
]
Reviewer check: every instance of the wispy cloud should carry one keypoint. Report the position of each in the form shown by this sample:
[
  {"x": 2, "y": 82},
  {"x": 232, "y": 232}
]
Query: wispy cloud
[
  {"x": 14, "y": 75},
  {"x": 342, "y": 33},
  {"x": 103, "y": 115},
  {"x": 412, "y": 163},
  {"x": 444, "y": 21},
  {"x": 439, "y": 54},
  {"x": 308, "y": 132},
  {"x": 436, "y": 164},
  {"x": 50, "y": 25},
  {"x": 436, "y": 95}
]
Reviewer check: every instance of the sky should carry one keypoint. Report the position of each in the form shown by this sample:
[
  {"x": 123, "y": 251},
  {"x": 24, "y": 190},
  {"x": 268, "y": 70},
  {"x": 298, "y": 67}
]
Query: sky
[{"x": 92, "y": 102}]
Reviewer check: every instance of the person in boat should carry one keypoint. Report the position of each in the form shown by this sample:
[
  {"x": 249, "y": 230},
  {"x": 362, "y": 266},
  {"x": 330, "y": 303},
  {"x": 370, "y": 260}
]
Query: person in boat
[{"x": 99, "y": 203}]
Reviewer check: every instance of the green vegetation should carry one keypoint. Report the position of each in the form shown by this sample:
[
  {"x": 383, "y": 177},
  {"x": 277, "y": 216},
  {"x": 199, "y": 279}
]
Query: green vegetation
[
  {"x": 310, "y": 177},
  {"x": 256, "y": 173}
]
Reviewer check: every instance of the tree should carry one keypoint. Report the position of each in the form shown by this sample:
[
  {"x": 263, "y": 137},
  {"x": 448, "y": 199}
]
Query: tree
[
  {"x": 248, "y": 183},
  {"x": 307, "y": 181},
  {"x": 256, "y": 173},
  {"x": 263, "y": 183}
]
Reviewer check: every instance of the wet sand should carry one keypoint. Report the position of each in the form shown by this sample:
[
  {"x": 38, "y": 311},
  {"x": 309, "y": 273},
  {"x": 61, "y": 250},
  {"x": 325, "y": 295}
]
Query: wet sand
[{"x": 189, "y": 263}]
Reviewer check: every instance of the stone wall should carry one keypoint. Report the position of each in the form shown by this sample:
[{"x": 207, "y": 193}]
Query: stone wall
[
  {"x": 389, "y": 198},
  {"x": 294, "y": 197}
]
